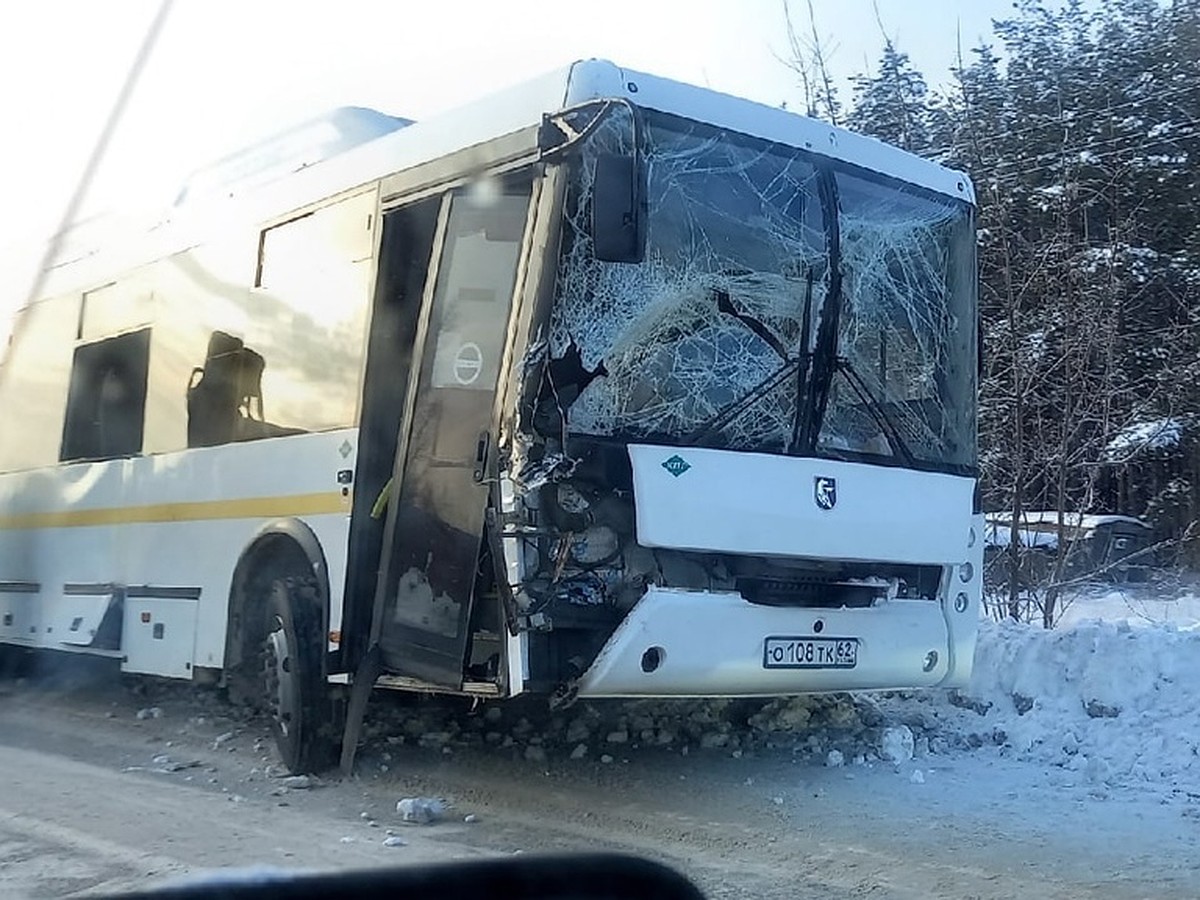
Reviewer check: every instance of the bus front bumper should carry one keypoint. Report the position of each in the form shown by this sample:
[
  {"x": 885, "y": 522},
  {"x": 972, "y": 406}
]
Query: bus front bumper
[{"x": 681, "y": 643}]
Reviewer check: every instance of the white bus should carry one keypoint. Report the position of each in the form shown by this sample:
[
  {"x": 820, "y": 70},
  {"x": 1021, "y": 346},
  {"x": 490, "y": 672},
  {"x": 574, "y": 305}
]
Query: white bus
[{"x": 606, "y": 386}]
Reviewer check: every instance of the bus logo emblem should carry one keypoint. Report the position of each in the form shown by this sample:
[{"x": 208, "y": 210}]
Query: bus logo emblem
[
  {"x": 676, "y": 465},
  {"x": 825, "y": 491}
]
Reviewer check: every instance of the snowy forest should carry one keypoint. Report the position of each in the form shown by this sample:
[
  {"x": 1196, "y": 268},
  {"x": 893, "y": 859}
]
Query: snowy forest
[{"x": 1079, "y": 123}]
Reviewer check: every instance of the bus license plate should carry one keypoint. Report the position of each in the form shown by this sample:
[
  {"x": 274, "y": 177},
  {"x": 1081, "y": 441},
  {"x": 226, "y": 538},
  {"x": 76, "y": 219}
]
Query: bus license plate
[{"x": 810, "y": 653}]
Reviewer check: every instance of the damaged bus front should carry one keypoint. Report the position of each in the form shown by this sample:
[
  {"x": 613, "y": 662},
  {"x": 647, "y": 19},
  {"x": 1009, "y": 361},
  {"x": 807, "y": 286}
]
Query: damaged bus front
[{"x": 732, "y": 450}]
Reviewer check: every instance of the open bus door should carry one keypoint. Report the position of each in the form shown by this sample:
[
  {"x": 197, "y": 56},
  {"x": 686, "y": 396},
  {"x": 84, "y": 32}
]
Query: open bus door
[{"x": 438, "y": 495}]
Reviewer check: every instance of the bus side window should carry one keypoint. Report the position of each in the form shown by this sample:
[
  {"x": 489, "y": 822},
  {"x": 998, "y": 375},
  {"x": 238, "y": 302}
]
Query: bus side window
[
  {"x": 33, "y": 383},
  {"x": 306, "y": 313},
  {"x": 224, "y": 397},
  {"x": 106, "y": 400},
  {"x": 214, "y": 393}
]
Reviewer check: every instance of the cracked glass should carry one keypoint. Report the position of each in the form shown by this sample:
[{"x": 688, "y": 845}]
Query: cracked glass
[
  {"x": 905, "y": 332},
  {"x": 711, "y": 340}
]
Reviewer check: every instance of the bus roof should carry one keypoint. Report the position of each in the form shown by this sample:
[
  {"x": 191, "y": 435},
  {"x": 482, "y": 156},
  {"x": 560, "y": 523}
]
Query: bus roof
[
  {"x": 345, "y": 128},
  {"x": 296, "y": 148},
  {"x": 386, "y": 145},
  {"x": 595, "y": 79}
]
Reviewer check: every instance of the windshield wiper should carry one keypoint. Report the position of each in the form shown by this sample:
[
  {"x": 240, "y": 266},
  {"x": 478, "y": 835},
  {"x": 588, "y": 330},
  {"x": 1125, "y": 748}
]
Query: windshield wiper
[
  {"x": 732, "y": 410},
  {"x": 875, "y": 408},
  {"x": 740, "y": 405},
  {"x": 725, "y": 305}
]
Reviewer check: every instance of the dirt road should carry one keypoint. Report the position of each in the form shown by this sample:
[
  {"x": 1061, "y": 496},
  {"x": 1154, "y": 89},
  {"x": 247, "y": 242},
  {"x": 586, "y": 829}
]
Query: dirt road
[{"x": 97, "y": 799}]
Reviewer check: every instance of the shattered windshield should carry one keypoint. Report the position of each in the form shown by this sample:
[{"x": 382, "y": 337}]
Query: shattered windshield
[
  {"x": 712, "y": 339},
  {"x": 906, "y": 352}
]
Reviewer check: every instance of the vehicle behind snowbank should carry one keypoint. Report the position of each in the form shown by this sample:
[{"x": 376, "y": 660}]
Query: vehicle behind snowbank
[{"x": 1113, "y": 548}]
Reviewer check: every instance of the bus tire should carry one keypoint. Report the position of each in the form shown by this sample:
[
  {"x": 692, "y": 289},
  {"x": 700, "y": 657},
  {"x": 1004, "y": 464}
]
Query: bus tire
[{"x": 297, "y": 696}]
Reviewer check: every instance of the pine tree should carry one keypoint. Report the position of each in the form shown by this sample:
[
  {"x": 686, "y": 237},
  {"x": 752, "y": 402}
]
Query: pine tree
[
  {"x": 1084, "y": 151},
  {"x": 1083, "y": 141},
  {"x": 892, "y": 104}
]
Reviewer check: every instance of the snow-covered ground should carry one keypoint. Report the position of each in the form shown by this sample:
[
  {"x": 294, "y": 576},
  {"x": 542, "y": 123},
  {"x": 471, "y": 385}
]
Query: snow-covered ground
[
  {"x": 1112, "y": 694},
  {"x": 1068, "y": 768},
  {"x": 1115, "y": 704},
  {"x": 1109, "y": 701},
  {"x": 1177, "y": 605}
]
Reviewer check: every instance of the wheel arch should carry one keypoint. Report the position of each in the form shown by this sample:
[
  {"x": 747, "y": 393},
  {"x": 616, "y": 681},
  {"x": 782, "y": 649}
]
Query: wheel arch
[{"x": 278, "y": 547}]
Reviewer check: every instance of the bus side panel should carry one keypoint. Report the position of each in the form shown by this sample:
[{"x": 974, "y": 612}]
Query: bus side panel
[
  {"x": 72, "y": 568},
  {"x": 171, "y": 528},
  {"x": 199, "y": 509}
]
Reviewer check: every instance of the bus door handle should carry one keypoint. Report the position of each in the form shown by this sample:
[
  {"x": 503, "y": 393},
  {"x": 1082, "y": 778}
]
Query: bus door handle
[{"x": 482, "y": 445}]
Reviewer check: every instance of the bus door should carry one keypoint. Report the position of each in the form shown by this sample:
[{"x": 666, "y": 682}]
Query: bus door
[{"x": 439, "y": 494}]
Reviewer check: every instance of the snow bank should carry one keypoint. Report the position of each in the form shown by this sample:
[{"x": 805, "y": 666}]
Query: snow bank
[
  {"x": 1136, "y": 604},
  {"x": 1113, "y": 702}
]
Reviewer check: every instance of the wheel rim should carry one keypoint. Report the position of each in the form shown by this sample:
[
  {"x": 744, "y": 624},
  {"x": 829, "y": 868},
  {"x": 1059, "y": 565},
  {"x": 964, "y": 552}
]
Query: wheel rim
[{"x": 282, "y": 690}]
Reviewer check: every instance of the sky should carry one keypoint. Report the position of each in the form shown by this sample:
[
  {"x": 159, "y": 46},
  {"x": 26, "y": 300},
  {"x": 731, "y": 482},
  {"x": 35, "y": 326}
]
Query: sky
[{"x": 225, "y": 73}]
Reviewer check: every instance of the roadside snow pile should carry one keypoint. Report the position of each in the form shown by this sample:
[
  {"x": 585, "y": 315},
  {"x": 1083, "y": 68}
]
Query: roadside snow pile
[
  {"x": 1137, "y": 604},
  {"x": 1115, "y": 703},
  {"x": 1109, "y": 703}
]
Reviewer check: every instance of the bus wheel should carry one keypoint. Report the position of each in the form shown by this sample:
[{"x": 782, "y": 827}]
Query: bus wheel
[{"x": 296, "y": 694}]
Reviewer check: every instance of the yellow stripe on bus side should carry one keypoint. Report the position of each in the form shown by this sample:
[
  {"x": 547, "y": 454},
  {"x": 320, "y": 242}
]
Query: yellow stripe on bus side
[{"x": 244, "y": 508}]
